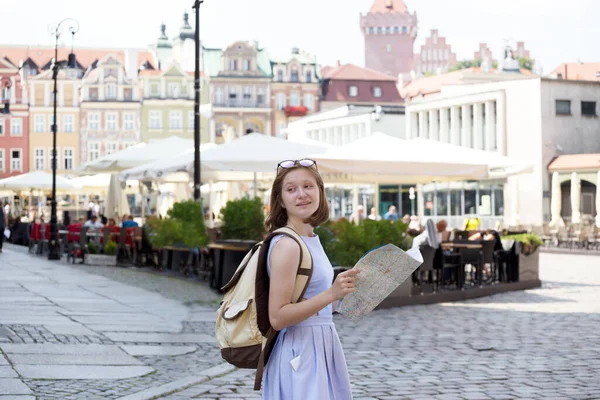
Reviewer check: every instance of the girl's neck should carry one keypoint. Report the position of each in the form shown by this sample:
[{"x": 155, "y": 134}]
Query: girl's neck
[{"x": 300, "y": 227}]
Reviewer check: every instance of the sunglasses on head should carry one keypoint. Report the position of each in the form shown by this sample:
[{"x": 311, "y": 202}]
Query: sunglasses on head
[{"x": 306, "y": 163}]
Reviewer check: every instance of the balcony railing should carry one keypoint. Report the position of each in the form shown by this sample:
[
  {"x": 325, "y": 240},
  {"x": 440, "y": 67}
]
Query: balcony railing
[{"x": 241, "y": 104}]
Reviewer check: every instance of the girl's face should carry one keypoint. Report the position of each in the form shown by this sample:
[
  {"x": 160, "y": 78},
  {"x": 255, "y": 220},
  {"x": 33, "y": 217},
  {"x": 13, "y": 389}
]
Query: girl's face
[{"x": 300, "y": 194}]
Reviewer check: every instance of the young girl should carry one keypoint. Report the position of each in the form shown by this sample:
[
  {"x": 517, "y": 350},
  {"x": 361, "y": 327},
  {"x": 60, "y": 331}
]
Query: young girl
[{"x": 307, "y": 361}]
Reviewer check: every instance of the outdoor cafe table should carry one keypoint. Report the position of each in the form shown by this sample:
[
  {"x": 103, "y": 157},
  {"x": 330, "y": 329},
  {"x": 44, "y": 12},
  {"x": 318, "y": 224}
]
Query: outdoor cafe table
[{"x": 450, "y": 245}]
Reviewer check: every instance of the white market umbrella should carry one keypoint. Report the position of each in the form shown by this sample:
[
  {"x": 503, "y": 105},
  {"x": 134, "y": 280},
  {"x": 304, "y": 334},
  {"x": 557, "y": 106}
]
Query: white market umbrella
[
  {"x": 575, "y": 199},
  {"x": 598, "y": 200},
  {"x": 556, "y": 203},
  {"x": 93, "y": 183},
  {"x": 383, "y": 158},
  {"x": 116, "y": 200},
  {"x": 38, "y": 180},
  {"x": 137, "y": 155}
]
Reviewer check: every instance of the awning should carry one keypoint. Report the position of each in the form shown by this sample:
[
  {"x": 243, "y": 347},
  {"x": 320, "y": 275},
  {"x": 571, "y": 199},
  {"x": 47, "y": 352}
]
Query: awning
[{"x": 575, "y": 163}]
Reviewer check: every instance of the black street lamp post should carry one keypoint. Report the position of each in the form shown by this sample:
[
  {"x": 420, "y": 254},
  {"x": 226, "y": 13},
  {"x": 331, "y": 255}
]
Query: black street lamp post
[
  {"x": 197, "y": 4},
  {"x": 54, "y": 250}
]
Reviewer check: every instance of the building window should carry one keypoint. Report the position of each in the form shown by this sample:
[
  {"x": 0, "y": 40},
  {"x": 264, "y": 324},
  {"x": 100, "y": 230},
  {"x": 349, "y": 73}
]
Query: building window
[
  {"x": 219, "y": 96},
  {"x": 154, "y": 89},
  {"x": 388, "y": 30},
  {"x": 232, "y": 95},
  {"x": 93, "y": 151},
  {"x": 16, "y": 127},
  {"x": 51, "y": 123},
  {"x": 294, "y": 99},
  {"x": 39, "y": 123},
  {"x": 111, "y": 121},
  {"x": 353, "y": 91},
  {"x": 309, "y": 101},
  {"x": 294, "y": 77},
  {"x": 280, "y": 76},
  {"x": 68, "y": 158},
  {"x": 191, "y": 121},
  {"x": 2, "y": 162},
  {"x": 1, "y": 127},
  {"x": 379, "y": 30},
  {"x": 247, "y": 65},
  {"x": 247, "y": 95},
  {"x": 281, "y": 101},
  {"x": 175, "y": 119},
  {"x": 563, "y": 107},
  {"x": 588, "y": 108},
  {"x": 396, "y": 29},
  {"x": 260, "y": 96},
  {"x": 155, "y": 119},
  {"x": 68, "y": 123},
  {"x": 220, "y": 129},
  {"x": 128, "y": 121},
  {"x": 233, "y": 65},
  {"x": 308, "y": 76},
  {"x": 371, "y": 30},
  {"x": 404, "y": 29},
  {"x": 16, "y": 163},
  {"x": 39, "y": 159},
  {"x": 376, "y": 91},
  {"x": 128, "y": 94},
  {"x": 93, "y": 121},
  {"x": 280, "y": 128},
  {"x": 93, "y": 94},
  {"x": 173, "y": 90},
  {"x": 112, "y": 147},
  {"x": 111, "y": 91}
]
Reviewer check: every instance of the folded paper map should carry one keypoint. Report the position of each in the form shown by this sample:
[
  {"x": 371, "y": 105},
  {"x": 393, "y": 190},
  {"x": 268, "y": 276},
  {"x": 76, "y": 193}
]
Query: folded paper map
[{"x": 381, "y": 271}]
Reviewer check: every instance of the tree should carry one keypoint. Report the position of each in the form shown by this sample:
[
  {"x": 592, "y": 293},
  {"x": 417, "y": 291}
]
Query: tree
[{"x": 526, "y": 63}]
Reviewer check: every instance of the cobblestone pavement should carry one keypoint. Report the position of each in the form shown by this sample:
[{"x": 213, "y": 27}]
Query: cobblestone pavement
[{"x": 537, "y": 344}]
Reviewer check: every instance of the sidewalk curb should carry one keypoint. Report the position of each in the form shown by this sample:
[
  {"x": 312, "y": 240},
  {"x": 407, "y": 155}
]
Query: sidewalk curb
[{"x": 181, "y": 384}]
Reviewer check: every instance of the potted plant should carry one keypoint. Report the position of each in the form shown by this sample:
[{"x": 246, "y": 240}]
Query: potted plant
[
  {"x": 108, "y": 258},
  {"x": 183, "y": 227},
  {"x": 243, "y": 225},
  {"x": 528, "y": 255}
]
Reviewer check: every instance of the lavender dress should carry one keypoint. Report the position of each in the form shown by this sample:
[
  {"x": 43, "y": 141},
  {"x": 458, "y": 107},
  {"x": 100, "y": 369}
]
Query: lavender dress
[{"x": 308, "y": 361}]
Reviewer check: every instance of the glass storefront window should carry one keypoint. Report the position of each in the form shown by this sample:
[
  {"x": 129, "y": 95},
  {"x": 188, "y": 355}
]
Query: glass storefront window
[
  {"x": 455, "y": 202},
  {"x": 485, "y": 199},
  {"x": 470, "y": 199},
  {"x": 429, "y": 204},
  {"x": 498, "y": 200}
]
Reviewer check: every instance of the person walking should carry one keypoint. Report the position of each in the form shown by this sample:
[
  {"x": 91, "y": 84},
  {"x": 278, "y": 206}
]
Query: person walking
[
  {"x": 3, "y": 225},
  {"x": 307, "y": 361}
]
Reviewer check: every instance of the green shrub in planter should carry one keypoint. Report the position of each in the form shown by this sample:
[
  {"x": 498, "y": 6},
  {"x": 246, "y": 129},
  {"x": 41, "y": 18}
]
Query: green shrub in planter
[
  {"x": 183, "y": 226},
  {"x": 529, "y": 242},
  {"x": 92, "y": 248},
  {"x": 110, "y": 249},
  {"x": 345, "y": 243},
  {"x": 243, "y": 219}
]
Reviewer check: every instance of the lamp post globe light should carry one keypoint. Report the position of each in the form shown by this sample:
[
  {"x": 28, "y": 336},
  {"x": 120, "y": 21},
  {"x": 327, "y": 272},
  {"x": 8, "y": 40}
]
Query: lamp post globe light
[{"x": 73, "y": 27}]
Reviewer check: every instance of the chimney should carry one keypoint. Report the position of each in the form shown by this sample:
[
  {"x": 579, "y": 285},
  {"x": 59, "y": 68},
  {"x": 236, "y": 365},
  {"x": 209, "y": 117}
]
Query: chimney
[{"x": 338, "y": 63}]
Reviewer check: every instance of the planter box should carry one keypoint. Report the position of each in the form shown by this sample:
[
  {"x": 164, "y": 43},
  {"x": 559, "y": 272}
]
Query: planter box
[
  {"x": 100, "y": 259},
  {"x": 529, "y": 266},
  {"x": 228, "y": 259}
]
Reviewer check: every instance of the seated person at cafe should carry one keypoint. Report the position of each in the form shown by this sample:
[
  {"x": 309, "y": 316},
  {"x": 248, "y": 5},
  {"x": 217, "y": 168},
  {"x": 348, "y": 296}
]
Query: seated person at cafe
[
  {"x": 423, "y": 238},
  {"x": 129, "y": 222},
  {"x": 112, "y": 222},
  {"x": 392, "y": 214},
  {"x": 472, "y": 224},
  {"x": 93, "y": 223}
]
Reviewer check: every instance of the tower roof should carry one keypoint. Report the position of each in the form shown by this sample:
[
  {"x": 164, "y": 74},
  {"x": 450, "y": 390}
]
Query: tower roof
[{"x": 388, "y": 6}]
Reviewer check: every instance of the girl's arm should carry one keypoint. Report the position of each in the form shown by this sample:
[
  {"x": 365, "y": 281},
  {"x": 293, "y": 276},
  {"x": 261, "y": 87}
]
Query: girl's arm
[{"x": 285, "y": 257}]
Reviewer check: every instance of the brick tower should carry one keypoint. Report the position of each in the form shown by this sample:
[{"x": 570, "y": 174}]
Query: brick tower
[{"x": 390, "y": 32}]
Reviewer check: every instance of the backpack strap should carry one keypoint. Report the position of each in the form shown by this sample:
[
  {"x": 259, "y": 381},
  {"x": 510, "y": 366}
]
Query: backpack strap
[{"x": 303, "y": 275}]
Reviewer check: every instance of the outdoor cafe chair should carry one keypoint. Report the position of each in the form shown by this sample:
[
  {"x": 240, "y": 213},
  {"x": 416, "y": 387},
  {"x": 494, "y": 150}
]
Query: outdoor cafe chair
[
  {"x": 123, "y": 247},
  {"x": 79, "y": 248},
  {"x": 43, "y": 239},
  {"x": 488, "y": 256},
  {"x": 427, "y": 267},
  {"x": 32, "y": 239}
]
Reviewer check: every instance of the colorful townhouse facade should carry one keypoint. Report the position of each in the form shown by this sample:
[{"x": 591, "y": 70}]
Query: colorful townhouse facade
[
  {"x": 295, "y": 89},
  {"x": 110, "y": 111},
  {"x": 14, "y": 121}
]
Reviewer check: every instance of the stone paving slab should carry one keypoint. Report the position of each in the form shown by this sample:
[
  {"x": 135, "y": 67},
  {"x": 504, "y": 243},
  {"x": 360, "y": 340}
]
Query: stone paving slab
[
  {"x": 159, "y": 337},
  {"x": 141, "y": 327},
  {"x": 7, "y": 372},
  {"x": 73, "y": 359},
  {"x": 71, "y": 349},
  {"x": 51, "y": 371},
  {"x": 3, "y": 360},
  {"x": 137, "y": 351},
  {"x": 10, "y": 397},
  {"x": 13, "y": 386},
  {"x": 69, "y": 329}
]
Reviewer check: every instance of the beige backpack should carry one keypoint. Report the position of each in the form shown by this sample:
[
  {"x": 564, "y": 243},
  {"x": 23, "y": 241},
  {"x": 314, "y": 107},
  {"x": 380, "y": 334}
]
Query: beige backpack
[{"x": 243, "y": 329}]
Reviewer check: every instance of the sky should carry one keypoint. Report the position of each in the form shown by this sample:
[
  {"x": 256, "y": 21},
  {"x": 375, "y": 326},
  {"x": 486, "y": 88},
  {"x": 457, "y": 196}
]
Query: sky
[{"x": 554, "y": 31}]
